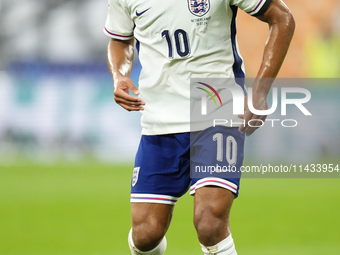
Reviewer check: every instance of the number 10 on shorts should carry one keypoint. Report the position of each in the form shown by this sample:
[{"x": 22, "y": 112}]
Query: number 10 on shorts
[{"x": 231, "y": 148}]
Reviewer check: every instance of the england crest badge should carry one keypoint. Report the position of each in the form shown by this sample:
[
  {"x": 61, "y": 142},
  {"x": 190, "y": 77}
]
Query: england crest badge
[
  {"x": 199, "y": 7},
  {"x": 135, "y": 176}
]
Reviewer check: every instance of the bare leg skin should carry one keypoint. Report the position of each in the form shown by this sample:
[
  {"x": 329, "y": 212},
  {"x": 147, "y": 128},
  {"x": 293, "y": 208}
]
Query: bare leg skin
[
  {"x": 211, "y": 214},
  {"x": 150, "y": 222}
]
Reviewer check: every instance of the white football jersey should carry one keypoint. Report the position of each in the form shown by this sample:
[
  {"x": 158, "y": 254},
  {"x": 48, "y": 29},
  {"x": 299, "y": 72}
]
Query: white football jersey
[{"x": 178, "y": 40}]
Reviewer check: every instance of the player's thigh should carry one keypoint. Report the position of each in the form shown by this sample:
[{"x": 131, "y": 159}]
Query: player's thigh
[
  {"x": 211, "y": 214},
  {"x": 161, "y": 175},
  {"x": 217, "y": 155}
]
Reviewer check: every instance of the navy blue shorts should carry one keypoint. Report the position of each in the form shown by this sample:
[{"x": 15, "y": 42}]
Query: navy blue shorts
[{"x": 166, "y": 166}]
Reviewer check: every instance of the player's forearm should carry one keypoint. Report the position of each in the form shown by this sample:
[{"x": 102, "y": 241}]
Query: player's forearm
[
  {"x": 276, "y": 48},
  {"x": 282, "y": 25},
  {"x": 120, "y": 58}
]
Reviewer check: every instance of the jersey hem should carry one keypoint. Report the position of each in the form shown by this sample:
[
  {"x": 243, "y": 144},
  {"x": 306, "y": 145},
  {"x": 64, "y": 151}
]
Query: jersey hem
[
  {"x": 162, "y": 130},
  {"x": 195, "y": 128}
]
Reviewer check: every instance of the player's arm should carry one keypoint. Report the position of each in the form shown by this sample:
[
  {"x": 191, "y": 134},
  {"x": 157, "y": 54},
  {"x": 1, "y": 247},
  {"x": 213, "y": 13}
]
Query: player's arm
[
  {"x": 281, "y": 29},
  {"x": 120, "y": 62}
]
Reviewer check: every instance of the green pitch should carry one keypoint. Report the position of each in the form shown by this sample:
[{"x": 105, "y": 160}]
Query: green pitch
[{"x": 81, "y": 209}]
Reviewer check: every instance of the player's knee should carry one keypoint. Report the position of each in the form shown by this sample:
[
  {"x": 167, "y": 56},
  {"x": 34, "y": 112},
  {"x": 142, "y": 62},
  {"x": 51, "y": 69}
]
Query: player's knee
[
  {"x": 207, "y": 227},
  {"x": 210, "y": 222},
  {"x": 147, "y": 235}
]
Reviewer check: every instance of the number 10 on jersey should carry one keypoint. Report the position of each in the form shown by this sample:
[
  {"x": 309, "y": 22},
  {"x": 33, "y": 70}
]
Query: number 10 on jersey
[
  {"x": 181, "y": 41},
  {"x": 231, "y": 146}
]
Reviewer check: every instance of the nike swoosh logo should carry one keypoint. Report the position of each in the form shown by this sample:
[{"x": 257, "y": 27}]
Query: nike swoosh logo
[{"x": 141, "y": 13}]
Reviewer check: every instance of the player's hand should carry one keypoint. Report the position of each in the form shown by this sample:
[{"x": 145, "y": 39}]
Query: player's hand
[
  {"x": 121, "y": 95},
  {"x": 259, "y": 103}
]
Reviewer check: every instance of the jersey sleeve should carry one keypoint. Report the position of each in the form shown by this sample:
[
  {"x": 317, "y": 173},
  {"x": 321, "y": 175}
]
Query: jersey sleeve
[
  {"x": 252, "y": 7},
  {"x": 119, "y": 24}
]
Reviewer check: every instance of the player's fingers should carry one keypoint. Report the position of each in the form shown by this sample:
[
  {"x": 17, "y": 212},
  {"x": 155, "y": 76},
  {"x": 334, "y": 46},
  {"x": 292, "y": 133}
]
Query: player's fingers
[
  {"x": 122, "y": 96},
  {"x": 128, "y": 101},
  {"x": 131, "y": 107},
  {"x": 244, "y": 127},
  {"x": 246, "y": 116},
  {"x": 127, "y": 83},
  {"x": 251, "y": 130},
  {"x": 255, "y": 123},
  {"x": 251, "y": 125}
]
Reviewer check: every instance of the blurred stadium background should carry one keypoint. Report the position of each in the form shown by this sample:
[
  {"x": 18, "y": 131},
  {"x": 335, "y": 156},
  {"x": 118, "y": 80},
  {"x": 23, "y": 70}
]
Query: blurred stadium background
[{"x": 66, "y": 148}]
